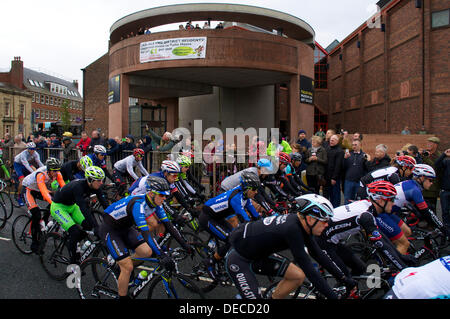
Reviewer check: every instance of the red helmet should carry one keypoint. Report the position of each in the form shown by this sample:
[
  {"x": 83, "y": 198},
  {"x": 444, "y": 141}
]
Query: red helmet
[
  {"x": 284, "y": 158},
  {"x": 138, "y": 151},
  {"x": 381, "y": 190},
  {"x": 405, "y": 161}
]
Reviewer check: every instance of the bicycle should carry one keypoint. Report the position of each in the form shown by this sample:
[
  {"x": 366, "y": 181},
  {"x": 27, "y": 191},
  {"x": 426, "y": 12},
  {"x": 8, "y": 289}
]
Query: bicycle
[
  {"x": 21, "y": 229},
  {"x": 5, "y": 199},
  {"x": 3, "y": 215},
  {"x": 99, "y": 279},
  {"x": 54, "y": 252}
]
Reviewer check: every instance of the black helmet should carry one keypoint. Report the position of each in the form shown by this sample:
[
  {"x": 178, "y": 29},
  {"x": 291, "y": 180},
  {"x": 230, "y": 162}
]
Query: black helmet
[
  {"x": 158, "y": 185},
  {"x": 53, "y": 164},
  {"x": 250, "y": 180},
  {"x": 296, "y": 157}
]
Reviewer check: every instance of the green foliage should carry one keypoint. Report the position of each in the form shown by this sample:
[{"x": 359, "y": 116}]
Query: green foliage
[{"x": 65, "y": 115}]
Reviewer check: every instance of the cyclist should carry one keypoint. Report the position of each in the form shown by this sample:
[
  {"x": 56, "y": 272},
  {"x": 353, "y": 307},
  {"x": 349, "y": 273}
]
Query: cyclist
[
  {"x": 388, "y": 174},
  {"x": 284, "y": 169},
  {"x": 75, "y": 169},
  {"x": 405, "y": 165},
  {"x": 351, "y": 218},
  {"x": 71, "y": 210},
  {"x": 409, "y": 194},
  {"x": 219, "y": 214},
  {"x": 186, "y": 180},
  {"x": 255, "y": 247},
  {"x": 430, "y": 281},
  {"x": 23, "y": 168},
  {"x": 120, "y": 235},
  {"x": 36, "y": 186},
  {"x": 293, "y": 174},
  {"x": 124, "y": 169},
  {"x": 98, "y": 158},
  {"x": 3, "y": 166}
]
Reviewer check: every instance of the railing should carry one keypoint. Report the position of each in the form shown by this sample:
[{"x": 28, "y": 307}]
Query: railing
[{"x": 210, "y": 170}]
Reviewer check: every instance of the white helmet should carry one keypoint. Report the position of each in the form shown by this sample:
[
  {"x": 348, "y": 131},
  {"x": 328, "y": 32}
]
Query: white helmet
[
  {"x": 424, "y": 170},
  {"x": 315, "y": 205},
  {"x": 31, "y": 145},
  {"x": 170, "y": 167},
  {"x": 99, "y": 149}
]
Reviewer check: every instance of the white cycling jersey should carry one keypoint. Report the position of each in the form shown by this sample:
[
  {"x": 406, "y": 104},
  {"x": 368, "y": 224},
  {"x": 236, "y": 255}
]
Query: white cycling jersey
[
  {"x": 25, "y": 157},
  {"x": 425, "y": 282},
  {"x": 30, "y": 180},
  {"x": 128, "y": 164},
  {"x": 234, "y": 180},
  {"x": 142, "y": 187},
  {"x": 345, "y": 220}
]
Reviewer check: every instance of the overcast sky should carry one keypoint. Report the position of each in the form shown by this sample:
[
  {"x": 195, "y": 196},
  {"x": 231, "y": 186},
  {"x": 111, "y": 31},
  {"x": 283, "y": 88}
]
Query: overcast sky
[{"x": 62, "y": 37}]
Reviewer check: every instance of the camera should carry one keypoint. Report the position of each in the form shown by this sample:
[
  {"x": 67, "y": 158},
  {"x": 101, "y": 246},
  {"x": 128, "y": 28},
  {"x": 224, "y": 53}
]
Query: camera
[{"x": 425, "y": 153}]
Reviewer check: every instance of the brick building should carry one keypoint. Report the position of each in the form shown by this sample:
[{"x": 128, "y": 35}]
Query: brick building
[
  {"x": 392, "y": 72},
  {"x": 46, "y": 94}
]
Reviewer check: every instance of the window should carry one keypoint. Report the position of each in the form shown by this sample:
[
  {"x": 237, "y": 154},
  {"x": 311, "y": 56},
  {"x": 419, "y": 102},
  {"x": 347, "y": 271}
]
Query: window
[
  {"x": 47, "y": 114},
  {"x": 51, "y": 115},
  {"x": 440, "y": 18},
  {"x": 47, "y": 100},
  {"x": 33, "y": 98},
  {"x": 42, "y": 99},
  {"x": 31, "y": 82},
  {"x": 7, "y": 109},
  {"x": 37, "y": 114},
  {"x": 22, "y": 110},
  {"x": 320, "y": 69},
  {"x": 8, "y": 129},
  {"x": 51, "y": 100}
]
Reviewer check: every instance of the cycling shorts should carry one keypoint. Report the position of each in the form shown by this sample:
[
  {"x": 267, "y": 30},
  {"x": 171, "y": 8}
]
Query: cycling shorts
[
  {"x": 390, "y": 225},
  {"x": 120, "y": 241},
  {"x": 21, "y": 170},
  {"x": 66, "y": 216}
]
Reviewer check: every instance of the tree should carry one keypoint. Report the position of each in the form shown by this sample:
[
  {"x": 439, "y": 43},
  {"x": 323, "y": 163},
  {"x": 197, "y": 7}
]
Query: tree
[{"x": 65, "y": 115}]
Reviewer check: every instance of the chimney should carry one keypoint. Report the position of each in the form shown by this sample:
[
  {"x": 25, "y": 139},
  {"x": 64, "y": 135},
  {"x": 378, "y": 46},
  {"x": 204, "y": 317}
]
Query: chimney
[
  {"x": 16, "y": 73},
  {"x": 75, "y": 83}
]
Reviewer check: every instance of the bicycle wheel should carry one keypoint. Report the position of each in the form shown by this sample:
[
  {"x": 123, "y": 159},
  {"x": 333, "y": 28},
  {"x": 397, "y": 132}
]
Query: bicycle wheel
[
  {"x": 98, "y": 279},
  {"x": 6, "y": 200},
  {"x": 3, "y": 215},
  {"x": 21, "y": 233},
  {"x": 193, "y": 266},
  {"x": 174, "y": 286},
  {"x": 54, "y": 255}
]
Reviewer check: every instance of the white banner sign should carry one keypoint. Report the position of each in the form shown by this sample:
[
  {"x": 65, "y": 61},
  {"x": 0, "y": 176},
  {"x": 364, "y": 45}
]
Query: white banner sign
[{"x": 173, "y": 49}]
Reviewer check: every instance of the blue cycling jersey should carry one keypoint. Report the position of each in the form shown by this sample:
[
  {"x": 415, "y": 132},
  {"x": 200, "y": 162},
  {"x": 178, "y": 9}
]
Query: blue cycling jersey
[
  {"x": 96, "y": 161},
  {"x": 231, "y": 202},
  {"x": 409, "y": 192}
]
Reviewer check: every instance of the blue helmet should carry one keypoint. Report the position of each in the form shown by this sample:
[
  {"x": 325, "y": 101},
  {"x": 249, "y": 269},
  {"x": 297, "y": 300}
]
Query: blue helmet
[{"x": 265, "y": 163}]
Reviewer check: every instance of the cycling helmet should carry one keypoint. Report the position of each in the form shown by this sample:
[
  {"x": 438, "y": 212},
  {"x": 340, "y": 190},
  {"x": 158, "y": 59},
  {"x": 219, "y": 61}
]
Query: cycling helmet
[
  {"x": 53, "y": 164},
  {"x": 424, "y": 170},
  {"x": 158, "y": 185},
  {"x": 405, "y": 161},
  {"x": 296, "y": 157},
  {"x": 184, "y": 161},
  {"x": 94, "y": 173},
  {"x": 315, "y": 206},
  {"x": 85, "y": 162},
  {"x": 31, "y": 146},
  {"x": 381, "y": 190},
  {"x": 99, "y": 149},
  {"x": 138, "y": 151},
  {"x": 249, "y": 180},
  {"x": 284, "y": 158},
  {"x": 170, "y": 167},
  {"x": 265, "y": 163}
]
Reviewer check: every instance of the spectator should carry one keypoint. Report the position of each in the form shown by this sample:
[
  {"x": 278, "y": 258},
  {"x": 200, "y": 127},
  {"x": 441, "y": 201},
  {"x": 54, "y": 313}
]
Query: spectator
[
  {"x": 206, "y": 26},
  {"x": 302, "y": 140},
  {"x": 406, "y": 131},
  {"x": 219, "y": 25},
  {"x": 320, "y": 133},
  {"x": 147, "y": 31},
  {"x": 19, "y": 145},
  {"x": 358, "y": 136},
  {"x": 54, "y": 143},
  {"x": 7, "y": 144},
  {"x": 147, "y": 147},
  {"x": 141, "y": 31},
  {"x": 41, "y": 144},
  {"x": 96, "y": 139},
  {"x": 413, "y": 151},
  {"x": 189, "y": 26},
  {"x": 328, "y": 135},
  {"x": 380, "y": 160},
  {"x": 197, "y": 27},
  {"x": 180, "y": 27},
  {"x": 345, "y": 141},
  {"x": 316, "y": 158},
  {"x": 335, "y": 156},
  {"x": 354, "y": 169},
  {"x": 129, "y": 144},
  {"x": 442, "y": 165},
  {"x": 68, "y": 147},
  {"x": 30, "y": 138},
  {"x": 84, "y": 142},
  {"x": 274, "y": 147},
  {"x": 113, "y": 150},
  {"x": 429, "y": 156},
  {"x": 162, "y": 143},
  {"x": 422, "y": 131}
]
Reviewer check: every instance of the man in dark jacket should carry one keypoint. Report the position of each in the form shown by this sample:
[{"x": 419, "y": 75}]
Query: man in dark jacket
[
  {"x": 68, "y": 149},
  {"x": 381, "y": 159},
  {"x": 96, "y": 139},
  {"x": 354, "y": 169},
  {"x": 443, "y": 167},
  {"x": 335, "y": 156},
  {"x": 113, "y": 150}
]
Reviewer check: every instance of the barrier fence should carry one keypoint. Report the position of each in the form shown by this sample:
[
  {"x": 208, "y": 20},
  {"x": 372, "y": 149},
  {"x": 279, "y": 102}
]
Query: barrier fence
[{"x": 210, "y": 172}]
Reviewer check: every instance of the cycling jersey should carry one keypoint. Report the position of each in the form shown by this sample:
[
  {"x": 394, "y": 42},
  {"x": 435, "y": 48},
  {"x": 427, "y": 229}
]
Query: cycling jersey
[
  {"x": 428, "y": 281},
  {"x": 389, "y": 174},
  {"x": 70, "y": 171},
  {"x": 259, "y": 239},
  {"x": 22, "y": 160},
  {"x": 40, "y": 181},
  {"x": 100, "y": 163},
  {"x": 230, "y": 203},
  {"x": 408, "y": 192},
  {"x": 234, "y": 180},
  {"x": 128, "y": 164}
]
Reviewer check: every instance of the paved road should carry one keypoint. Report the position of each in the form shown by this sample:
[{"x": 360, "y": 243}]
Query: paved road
[{"x": 22, "y": 276}]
